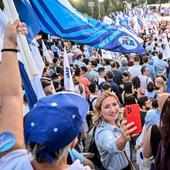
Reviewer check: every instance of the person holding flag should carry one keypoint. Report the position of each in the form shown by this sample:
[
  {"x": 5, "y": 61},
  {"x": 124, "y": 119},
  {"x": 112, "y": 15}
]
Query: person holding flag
[{"x": 50, "y": 128}]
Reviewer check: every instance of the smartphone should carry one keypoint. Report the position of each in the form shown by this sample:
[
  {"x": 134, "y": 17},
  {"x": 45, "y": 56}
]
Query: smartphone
[{"x": 132, "y": 113}]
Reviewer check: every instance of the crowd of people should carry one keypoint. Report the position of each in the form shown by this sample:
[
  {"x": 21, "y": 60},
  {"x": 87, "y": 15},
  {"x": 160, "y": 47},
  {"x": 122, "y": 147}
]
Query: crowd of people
[{"x": 87, "y": 128}]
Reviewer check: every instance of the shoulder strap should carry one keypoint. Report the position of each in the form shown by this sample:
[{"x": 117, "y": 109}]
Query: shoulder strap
[
  {"x": 93, "y": 99},
  {"x": 94, "y": 129},
  {"x": 132, "y": 167}
]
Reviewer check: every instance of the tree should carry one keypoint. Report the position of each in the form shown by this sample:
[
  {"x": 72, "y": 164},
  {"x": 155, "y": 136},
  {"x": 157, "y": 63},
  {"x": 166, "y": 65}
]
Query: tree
[
  {"x": 1, "y": 4},
  {"x": 157, "y": 1},
  {"x": 106, "y": 7},
  {"x": 80, "y": 5}
]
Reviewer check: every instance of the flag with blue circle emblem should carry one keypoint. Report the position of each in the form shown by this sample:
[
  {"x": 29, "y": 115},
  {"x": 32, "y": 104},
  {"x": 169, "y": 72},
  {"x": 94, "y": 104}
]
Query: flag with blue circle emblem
[{"x": 59, "y": 18}]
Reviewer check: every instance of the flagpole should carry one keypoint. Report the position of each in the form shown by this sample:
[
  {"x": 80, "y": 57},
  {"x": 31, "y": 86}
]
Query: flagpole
[{"x": 22, "y": 41}]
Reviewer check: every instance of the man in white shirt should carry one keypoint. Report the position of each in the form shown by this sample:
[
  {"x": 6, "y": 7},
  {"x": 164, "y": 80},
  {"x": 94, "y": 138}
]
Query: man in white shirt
[
  {"x": 135, "y": 70},
  {"x": 144, "y": 78}
]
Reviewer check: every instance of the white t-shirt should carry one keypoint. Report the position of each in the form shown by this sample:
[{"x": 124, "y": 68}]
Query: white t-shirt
[
  {"x": 135, "y": 70},
  {"x": 16, "y": 160},
  {"x": 78, "y": 166},
  {"x": 144, "y": 80},
  {"x": 20, "y": 160}
]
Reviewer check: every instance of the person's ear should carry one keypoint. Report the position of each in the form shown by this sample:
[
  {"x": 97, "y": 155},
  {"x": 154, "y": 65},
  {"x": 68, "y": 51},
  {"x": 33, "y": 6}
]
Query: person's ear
[{"x": 74, "y": 143}]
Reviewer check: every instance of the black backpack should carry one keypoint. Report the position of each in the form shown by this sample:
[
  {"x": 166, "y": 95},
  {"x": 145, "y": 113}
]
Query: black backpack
[
  {"x": 89, "y": 116},
  {"x": 91, "y": 103},
  {"x": 93, "y": 149},
  {"x": 100, "y": 86}
]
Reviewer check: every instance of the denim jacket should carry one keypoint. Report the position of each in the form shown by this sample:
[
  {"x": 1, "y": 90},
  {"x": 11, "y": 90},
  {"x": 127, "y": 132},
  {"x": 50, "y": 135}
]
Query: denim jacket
[{"x": 111, "y": 157}]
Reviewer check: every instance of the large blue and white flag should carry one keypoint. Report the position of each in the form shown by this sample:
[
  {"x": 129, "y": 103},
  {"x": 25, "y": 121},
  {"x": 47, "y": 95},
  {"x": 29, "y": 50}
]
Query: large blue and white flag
[
  {"x": 29, "y": 91},
  {"x": 68, "y": 81},
  {"x": 30, "y": 94},
  {"x": 59, "y": 18}
]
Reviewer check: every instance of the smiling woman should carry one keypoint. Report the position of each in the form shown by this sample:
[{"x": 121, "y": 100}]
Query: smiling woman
[
  {"x": 105, "y": 102},
  {"x": 111, "y": 137}
]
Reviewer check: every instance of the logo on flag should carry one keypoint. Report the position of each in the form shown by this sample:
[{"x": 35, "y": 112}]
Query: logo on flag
[
  {"x": 127, "y": 42},
  {"x": 68, "y": 81},
  {"x": 67, "y": 72}
]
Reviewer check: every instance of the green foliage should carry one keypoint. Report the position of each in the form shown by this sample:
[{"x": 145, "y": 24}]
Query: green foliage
[
  {"x": 157, "y": 1},
  {"x": 108, "y": 6},
  {"x": 1, "y": 4},
  {"x": 153, "y": 1}
]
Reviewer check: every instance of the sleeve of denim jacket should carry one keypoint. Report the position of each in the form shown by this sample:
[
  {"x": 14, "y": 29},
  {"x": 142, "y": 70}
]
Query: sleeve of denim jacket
[{"x": 106, "y": 139}]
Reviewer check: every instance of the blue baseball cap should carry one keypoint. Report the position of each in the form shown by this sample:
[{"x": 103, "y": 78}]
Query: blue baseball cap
[{"x": 55, "y": 120}]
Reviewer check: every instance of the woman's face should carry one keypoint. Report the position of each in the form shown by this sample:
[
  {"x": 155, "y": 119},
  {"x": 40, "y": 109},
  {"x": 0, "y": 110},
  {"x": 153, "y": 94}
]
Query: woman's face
[
  {"x": 157, "y": 84},
  {"x": 110, "y": 109}
]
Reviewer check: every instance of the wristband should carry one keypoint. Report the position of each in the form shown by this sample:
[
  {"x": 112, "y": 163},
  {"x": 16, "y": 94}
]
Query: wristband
[{"x": 10, "y": 49}]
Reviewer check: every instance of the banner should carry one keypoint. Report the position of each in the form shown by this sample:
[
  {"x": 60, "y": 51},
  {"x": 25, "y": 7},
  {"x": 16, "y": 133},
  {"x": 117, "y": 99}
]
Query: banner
[{"x": 59, "y": 18}]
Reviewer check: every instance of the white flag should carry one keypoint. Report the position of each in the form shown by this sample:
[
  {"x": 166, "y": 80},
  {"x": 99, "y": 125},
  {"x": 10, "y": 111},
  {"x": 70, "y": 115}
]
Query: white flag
[
  {"x": 68, "y": 81},
  {"x": 46, "y": 53},
  {"x": 37, "y": 57},
  {"x": 166, "y": 50},
  {"x": 3, "y": 22}
]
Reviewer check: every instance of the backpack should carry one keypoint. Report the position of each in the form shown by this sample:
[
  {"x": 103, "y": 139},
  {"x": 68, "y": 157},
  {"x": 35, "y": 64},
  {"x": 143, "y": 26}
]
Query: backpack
[
  {"x": 89, "y": 116},
  {"x": 100, "y": 86},
  {"x": 93, "y": 149},
  {"x": 91, "y": 103}
]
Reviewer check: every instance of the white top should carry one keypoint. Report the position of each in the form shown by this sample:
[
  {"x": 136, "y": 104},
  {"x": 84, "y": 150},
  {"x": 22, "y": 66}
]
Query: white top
[
  {"x": 144, "y": 80},
  {"x": 16, "y": 160},
  {"x": 77, "y": 90},
  {"x": 20, "y": 160},
  {"x": 135, "y": 70},
  {"x": 78, "y": 166}
]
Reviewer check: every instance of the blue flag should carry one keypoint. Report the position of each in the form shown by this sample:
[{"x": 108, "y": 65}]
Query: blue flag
[
  {"x": 27, "y": 14},
  {"x": 59, "y": 18},
  {"x": 30, "y": 94}
]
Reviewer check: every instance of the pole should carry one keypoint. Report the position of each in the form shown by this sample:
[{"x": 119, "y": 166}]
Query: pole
[
  {"x": 92, "y": 13},
  {"x": 99, "y": 9}
]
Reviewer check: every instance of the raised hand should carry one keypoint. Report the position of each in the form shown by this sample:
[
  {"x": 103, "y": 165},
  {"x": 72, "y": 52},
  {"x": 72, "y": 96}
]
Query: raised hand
[
  {"x": 12, "y": 30},
  {"x": 126, "y": 130}
]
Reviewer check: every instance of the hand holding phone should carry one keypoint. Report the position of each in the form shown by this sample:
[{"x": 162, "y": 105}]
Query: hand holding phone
[
  {"x": 133, "y": 115},
  {"x": 127, "y": 129}
]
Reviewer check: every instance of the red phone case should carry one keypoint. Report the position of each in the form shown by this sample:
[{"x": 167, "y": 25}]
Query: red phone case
[{"x": 133, "y": 115}]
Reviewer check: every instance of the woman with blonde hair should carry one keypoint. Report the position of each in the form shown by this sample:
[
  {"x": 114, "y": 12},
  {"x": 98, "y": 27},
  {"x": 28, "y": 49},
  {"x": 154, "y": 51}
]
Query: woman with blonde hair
[
  {"x": 160, "y": 85},
  {"x": 111, "y": 137}
]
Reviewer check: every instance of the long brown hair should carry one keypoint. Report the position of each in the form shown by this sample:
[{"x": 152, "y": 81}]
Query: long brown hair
[
  {"x": 97, "y": 118},
  {"x": 165, "y": 124}
]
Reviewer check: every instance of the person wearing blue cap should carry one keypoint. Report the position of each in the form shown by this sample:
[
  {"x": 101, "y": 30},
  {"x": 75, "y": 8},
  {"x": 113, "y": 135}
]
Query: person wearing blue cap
[{"x": 50, "y": 128}]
